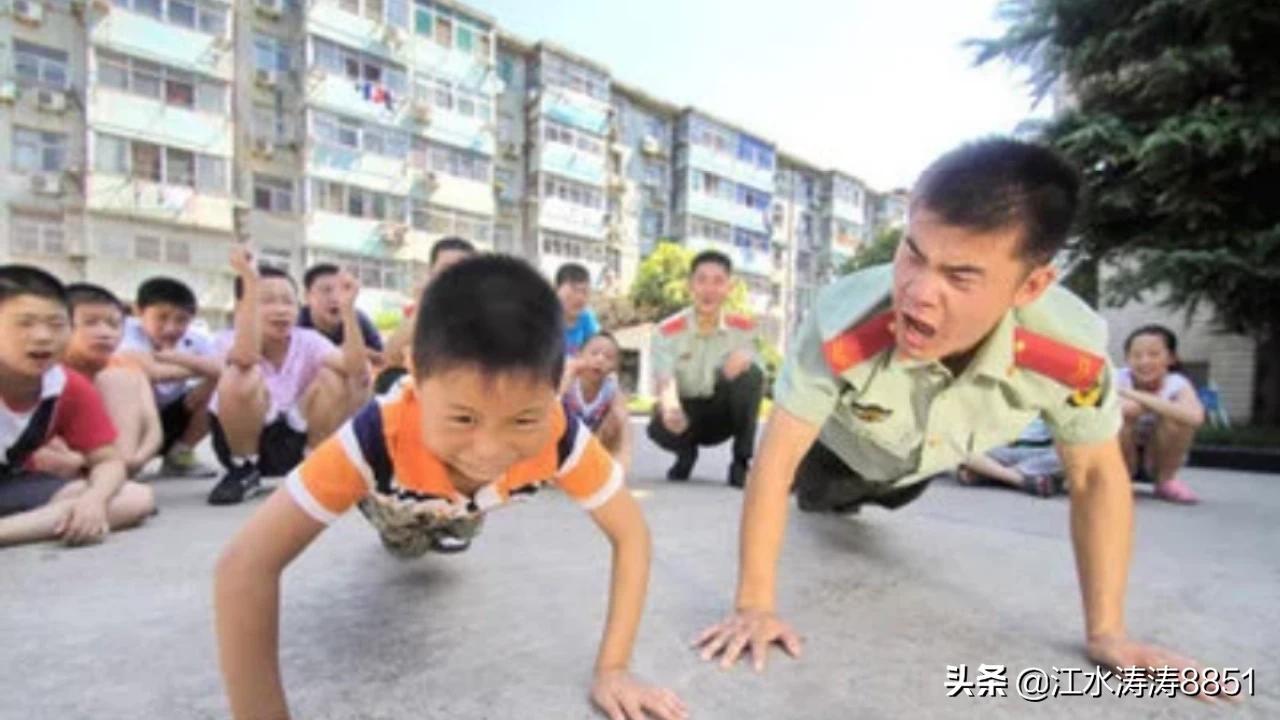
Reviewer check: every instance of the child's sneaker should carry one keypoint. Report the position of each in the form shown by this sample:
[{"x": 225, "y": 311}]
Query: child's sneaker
[
  {"x": 183, "y": 463},
  {"x": 237, "y": 484}
]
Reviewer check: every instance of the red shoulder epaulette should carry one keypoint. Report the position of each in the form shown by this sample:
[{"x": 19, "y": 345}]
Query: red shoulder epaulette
[
  {"x": 859, "y": 342},
  {"x": 1071, "y": 366},
  {"x": 740, "y": 322},
  {"x": 673, "y": 325}
]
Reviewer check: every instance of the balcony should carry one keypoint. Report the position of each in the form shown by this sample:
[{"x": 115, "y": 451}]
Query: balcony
[
  {"x": 572, "y": 108},
  {"x": 560, "y": 159},
  {"x": 727, "y": 211},
  {"x": 729, "y": 166},
  {"x": 353, "y": 167},
  {"x": 148, "y": 38},
  {"x": 152, "y": 120},
  {"x": 143, "y": 199},
  {"x": 571, "y": 218}
]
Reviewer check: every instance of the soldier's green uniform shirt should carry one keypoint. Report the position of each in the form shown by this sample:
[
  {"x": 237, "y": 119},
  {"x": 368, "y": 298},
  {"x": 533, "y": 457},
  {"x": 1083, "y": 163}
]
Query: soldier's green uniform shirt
[
  {"x": 899, "y": 421},
  {"x": 693, "y": 358}
]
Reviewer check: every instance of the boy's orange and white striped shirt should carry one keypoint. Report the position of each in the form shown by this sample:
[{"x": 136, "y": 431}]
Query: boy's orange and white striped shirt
[{"x": 378, "y": 456}]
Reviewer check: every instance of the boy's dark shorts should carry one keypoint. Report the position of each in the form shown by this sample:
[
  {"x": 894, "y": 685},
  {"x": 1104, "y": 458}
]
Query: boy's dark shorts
[
  {"x": 280, "y": 447},
  {"x": 27, "y": 490},
  {"x": 174, "y": 419}
]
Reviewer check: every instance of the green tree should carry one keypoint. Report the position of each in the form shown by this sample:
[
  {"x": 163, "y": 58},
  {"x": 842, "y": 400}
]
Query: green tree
[
  {"x": 661, "y": 287},
  {"x": 1171, "y": 108},
  {"x": 877, "y": 252}
]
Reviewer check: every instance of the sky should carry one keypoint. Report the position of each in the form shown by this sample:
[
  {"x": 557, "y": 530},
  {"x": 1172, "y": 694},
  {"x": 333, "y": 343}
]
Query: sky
[{"x": 873, "y": 88}]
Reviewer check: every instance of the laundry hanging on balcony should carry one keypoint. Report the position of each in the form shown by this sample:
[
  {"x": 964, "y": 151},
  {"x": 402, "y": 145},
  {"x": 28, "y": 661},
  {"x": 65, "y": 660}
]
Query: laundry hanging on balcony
[{"x": 376, "y": 93}]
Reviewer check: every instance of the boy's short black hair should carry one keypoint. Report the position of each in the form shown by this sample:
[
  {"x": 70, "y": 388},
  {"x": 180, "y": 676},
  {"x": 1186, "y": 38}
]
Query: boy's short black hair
[
  {"x": 711, "y": 256},
  {"x": 494, "y": 312},
  {"x": 265, "y": 271},
  {"x": 605, "y": 334},
  {"x": 82, "y": 293},
  {"x": 453, "y": 242},
  {"x": 572, "y": 272},
  {"x": 19, "y": 280},
  {"x": 167, "y": 290},
  {"x": 317, "y": 271},
  {"x": 998, "y": 183}
]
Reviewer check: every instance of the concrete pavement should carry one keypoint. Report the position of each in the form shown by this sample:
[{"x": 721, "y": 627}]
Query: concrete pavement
[{"x": 509, "y": 629}]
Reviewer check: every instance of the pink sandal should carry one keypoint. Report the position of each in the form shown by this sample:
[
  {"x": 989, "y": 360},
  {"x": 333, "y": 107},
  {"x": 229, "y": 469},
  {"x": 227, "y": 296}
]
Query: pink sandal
[{"x": 1175, "y": 491}]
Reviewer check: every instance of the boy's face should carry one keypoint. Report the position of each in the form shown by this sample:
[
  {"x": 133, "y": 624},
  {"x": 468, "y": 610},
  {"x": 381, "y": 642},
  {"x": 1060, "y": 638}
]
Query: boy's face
[
  {"x": 322, "y": 300},
  {"x": 600, "y": 356},
  {"x": 481, "y": 425},
  {"x": 33, "y": 334},
  {"x": 165, "y": 324},
  {"x": 277, "y": 307},
  {"x": 95, "y": 331},
  {"x": 573, "y": 297}
]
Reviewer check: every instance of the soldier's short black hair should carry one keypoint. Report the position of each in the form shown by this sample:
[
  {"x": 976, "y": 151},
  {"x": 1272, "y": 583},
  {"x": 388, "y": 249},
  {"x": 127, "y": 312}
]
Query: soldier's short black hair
[
  {"x": 165, "y": 290},
  {"x": 82, "y": 293},
  {"x": 265, "y": 271},
  {"x": 572, "y": 272},
  {"x": 317, "y": 271},
  {"x": 711, "y": 256},
  {"x": 493, "y": 312},
  {"x": 445, "y": 244},
  {"x": 19, "y": 280},
  {"x": 998, "y": 183}
]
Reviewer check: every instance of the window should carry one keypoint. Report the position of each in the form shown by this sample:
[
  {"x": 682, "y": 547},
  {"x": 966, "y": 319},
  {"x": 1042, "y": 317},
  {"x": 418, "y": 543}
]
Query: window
[
  {"x": 373, "y": 272},
  {"x": 459, "y": 163},
  {"x": 37, "y": 151},
  {"x": 272, "y": 194},
  {"x": 444, "y": 32},
  {"x": 573, "y": 192},
  {"x": 110, "y": 155},
  {"x": 179, "y": 167},
  {"x": 270, "y": 124},
  {"x": 270, "y": 53},
  {"x": 353, "y": 134},
  {"x": 209, "y": 18},
  {"x": 39, "y": 65},
  {"x": 144, "y": 162},
  {"x": 341, "y": 60},
  {"x": 177, "y": 252},
  {"x": 172, "y": 86},
  {"x": 146, "y": 247},
  {"x": 36, "y": 235},
  {"x": 356, "y": 202}
]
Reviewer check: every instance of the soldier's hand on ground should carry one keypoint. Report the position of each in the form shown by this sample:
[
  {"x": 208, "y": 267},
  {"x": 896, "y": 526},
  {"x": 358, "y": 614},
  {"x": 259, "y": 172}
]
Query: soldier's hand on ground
[
  {"x": 753, "y": 630},
  {"x": 1117, "y": 653},
  {"x": 674, "y": 419},
  {"x": 243, "y": 261},
  {"x": 738, "y": 362},
  {"x": 622, "y": 697},
  {"x": 85, "y": 522}
]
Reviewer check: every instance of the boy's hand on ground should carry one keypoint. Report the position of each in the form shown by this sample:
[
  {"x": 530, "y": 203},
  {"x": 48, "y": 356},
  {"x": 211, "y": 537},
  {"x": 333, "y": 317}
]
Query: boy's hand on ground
[
  {"x": 85, "y": 522},
  {"x": 622, "y": 697},
  {"x": 755, "y": 630},
  {"x": 243, "y": 261},
  {"x": 1116, "y": 653}
]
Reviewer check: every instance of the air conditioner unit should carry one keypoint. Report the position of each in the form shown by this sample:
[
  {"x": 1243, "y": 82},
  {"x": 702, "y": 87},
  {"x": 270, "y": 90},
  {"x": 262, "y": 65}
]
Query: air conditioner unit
[
  {"x": 533, "y": 94},
  {"x": 270, "y": 8},
  {"x": 46, "y": 184},
  {"x": 51, "y": 101},
  {"x": 393, "y": 233},
  {"x": 421, "y": 111},
  {"x": 650, "y": 145},
  {"x": 264, "y": 148},
  {"x": 266, "y": 78},
  {"x": 511, "y": 150},
  {"x": 29, "y": 12},
  {"x": 8, "y": 91}
]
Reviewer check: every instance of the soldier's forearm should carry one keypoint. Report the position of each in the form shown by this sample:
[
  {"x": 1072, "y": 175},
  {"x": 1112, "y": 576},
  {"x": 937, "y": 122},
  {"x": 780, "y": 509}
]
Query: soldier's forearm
[
  {"x": 668, "y": 396},
  {"x": 1102, "y": 535}
]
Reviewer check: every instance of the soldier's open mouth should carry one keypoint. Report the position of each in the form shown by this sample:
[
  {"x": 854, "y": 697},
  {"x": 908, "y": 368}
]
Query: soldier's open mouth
[{"x": 922, "y": 328}]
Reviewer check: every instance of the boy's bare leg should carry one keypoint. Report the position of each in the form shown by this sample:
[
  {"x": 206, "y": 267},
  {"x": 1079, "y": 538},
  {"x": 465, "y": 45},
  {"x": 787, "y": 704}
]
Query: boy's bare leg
[
  {"x": 197, "y": 402},
  {"x": 1131, "y": 411},
  {"x": 986, "y": 467},
  {"x": 242, "y": 407},
  {"x": 128, "y": 507},
  {"x": 328, "y": 402},
  {"x": 138, "y": 431}
]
